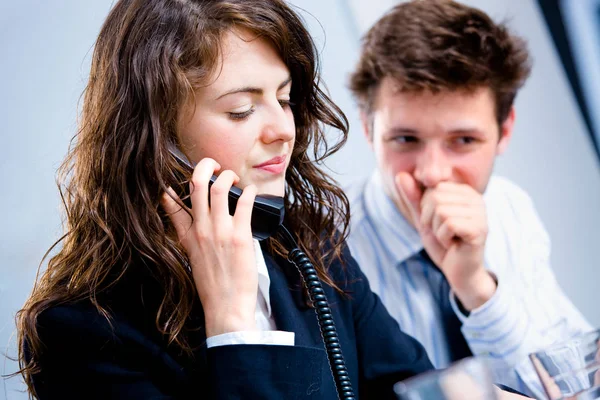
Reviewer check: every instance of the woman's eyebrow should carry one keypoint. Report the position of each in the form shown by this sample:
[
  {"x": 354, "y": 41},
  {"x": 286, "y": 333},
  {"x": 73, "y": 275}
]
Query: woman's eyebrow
[{"x": 254, "y": 90}]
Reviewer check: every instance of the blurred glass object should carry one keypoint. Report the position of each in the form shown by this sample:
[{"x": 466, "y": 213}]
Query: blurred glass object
[
  {"x": 571, "y": 370},
  {"x": 468, "y": 379}
]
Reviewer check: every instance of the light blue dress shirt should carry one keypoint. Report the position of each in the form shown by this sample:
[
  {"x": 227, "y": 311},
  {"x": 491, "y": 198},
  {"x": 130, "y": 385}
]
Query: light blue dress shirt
[{"x": 528, "y": 311}]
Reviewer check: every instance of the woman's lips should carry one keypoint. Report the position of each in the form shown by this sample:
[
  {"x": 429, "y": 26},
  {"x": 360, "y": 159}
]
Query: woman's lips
[{"x": 275, "y": 165}]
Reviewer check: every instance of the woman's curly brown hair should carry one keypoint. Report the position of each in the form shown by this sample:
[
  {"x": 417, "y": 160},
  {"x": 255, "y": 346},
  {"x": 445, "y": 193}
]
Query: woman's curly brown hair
[{"x": 149, "y": 58}]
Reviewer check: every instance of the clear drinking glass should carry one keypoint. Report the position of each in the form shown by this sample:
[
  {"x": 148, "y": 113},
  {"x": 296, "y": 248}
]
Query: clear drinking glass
[
  {"x": 467, "y": 379},
  {"x": 570, "y": 370}
]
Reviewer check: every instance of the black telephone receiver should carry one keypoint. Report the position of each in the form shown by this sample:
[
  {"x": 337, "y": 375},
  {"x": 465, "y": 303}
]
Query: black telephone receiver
[{"x": 268, "y": 210}]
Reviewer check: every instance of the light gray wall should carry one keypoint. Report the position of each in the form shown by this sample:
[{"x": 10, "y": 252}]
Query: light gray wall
[
  {"x": 45, "y": 50},
  {"x": 583, "y": 29},
  {"x": 336, "y": 33}
]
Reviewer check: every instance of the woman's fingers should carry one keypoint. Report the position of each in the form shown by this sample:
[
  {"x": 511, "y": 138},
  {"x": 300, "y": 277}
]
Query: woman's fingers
[
  {"x": 219, "y": 196},
  {"x": 199, "y": 186},
  {"x": 243, "y": 211},
  {"x": 219, "y": 247},
  {"x": 179, "y": 217}
]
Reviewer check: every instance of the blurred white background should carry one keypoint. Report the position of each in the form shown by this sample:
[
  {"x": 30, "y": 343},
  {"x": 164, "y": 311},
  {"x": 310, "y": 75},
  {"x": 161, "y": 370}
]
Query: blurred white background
[{"x": 45, "y": 53}]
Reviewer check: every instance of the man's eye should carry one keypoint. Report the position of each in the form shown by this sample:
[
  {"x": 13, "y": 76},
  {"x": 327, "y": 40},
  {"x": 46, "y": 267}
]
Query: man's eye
[
  {"x": 464, "y": 140},
  {"x": 405, "y": 139}
]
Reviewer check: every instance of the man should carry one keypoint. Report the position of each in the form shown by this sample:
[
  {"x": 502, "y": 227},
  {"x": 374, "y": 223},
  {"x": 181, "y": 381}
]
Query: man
[{"x": 460, "y": 258}]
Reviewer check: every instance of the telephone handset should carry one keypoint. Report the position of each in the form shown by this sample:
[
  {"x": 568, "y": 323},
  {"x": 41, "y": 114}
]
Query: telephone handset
[
  {"x": 267, "y": 219},
  {"x": 268, "y": 210}
]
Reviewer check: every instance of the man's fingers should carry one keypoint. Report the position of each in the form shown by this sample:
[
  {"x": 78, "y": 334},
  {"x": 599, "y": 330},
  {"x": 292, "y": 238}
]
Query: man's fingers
[
  {"x": 411, "y": 193},
  {"x": 460, "y": 189},
  {"x": 457, "y": 228},
  {"x": 448, "y": 198},
  {"x": 446, "y": 234},
  {"x": 427, "y": 215},
  {"x": 443, "y": 213},
  {"x": 549, "y": 384}
]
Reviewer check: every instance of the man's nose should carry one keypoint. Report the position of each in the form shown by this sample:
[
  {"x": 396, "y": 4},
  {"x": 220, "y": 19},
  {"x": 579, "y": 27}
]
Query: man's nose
[{"x": 432, "y": 166}]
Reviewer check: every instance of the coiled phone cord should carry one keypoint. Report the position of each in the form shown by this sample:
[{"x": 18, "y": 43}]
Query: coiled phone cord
[{"x": 329, "y": 334}]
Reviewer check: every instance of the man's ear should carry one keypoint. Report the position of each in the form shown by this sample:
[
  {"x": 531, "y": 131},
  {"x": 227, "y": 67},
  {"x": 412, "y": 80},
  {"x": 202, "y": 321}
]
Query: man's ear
[
  {"x": 367, "y": 126},
  {"x": 506, "y": 130}
]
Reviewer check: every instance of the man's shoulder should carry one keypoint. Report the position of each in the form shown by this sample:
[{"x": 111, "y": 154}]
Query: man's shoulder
[
  {"x": 511, "y": 209},
  {"x": 355, "y": 193},
  {"x": 354, "y": 190},
  {"x": 500, "y": 184},
  {"x": 503, "y": 194}
]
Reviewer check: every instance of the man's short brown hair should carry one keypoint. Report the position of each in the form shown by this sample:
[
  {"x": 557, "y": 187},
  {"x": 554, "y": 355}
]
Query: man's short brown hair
[{"x": 434, "y": 45}]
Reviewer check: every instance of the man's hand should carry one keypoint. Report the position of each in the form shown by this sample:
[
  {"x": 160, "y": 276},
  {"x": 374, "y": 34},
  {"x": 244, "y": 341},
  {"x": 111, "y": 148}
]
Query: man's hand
[{"x": 452, "y": 222}]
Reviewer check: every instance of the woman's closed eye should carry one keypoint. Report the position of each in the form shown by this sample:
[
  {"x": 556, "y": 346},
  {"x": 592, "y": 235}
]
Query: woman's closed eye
[
  {"x": 240, "y": 115},
  {"x": 285, "y": 103}
]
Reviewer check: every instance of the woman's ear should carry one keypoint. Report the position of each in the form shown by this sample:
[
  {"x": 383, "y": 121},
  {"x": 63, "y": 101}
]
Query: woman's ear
[{"x": 506, "y": 130}]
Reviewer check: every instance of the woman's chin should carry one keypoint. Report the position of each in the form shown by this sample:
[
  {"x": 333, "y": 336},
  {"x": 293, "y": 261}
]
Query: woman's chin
[{"x": 273, "y": 189}]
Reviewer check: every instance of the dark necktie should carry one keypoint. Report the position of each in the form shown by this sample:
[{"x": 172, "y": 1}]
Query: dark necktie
[{"x": 457, "y": 345}]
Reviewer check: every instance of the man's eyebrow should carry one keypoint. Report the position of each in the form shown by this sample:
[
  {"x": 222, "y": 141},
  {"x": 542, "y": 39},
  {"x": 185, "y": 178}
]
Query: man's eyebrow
[
  {"x": 403, "y": 131},
  {"x": 465, "y": 131},
  {"x": 254, "y": 90},
  {"x": 454, "y": 131}
]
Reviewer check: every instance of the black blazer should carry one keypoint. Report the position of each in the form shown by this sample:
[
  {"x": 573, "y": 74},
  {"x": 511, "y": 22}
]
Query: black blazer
[{"x": 87, "y": 358}]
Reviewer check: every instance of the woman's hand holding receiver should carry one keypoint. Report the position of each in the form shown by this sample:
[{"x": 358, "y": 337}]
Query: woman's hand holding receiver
[{"x": 220, "y": 248}]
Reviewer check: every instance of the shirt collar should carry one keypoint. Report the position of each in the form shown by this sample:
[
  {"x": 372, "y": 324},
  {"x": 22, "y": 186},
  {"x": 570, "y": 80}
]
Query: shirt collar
[
  {"x": 399, "y": 238},
  {"x": 264, "y": 282}
]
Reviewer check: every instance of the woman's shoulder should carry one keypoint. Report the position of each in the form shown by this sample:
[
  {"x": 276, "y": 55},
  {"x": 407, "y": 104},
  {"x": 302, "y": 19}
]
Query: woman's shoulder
[
  {"x": 80, "y": 315},
  {"x": 78, "y": 324},
  {"x": 80, "y": 333},
  {"x": 126, "y": 310},
  {"x": 103, "y": 352},
  {"x": 73, "y": 333}
]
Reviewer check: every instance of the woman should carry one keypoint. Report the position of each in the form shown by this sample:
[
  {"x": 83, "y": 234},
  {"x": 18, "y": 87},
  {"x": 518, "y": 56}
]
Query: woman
[{"x": 146, "y": 299}]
